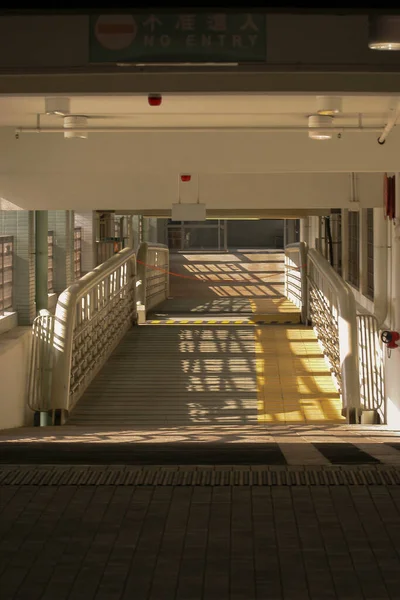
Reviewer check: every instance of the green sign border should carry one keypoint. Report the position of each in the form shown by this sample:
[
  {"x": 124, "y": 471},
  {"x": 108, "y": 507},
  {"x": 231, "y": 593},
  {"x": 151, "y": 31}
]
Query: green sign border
[{"x": 243, "y": 41}]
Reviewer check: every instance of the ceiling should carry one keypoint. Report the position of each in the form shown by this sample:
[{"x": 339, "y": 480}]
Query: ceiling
[{"x": 196, "y": 110}]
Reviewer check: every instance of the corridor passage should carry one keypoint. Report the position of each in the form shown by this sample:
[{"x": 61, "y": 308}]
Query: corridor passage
[
  {"x": 229, "y": 371},
  {"x": 244, "y": 286}
]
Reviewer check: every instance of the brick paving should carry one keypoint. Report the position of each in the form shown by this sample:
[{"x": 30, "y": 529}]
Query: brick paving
[{"x": 199, "y": 542}]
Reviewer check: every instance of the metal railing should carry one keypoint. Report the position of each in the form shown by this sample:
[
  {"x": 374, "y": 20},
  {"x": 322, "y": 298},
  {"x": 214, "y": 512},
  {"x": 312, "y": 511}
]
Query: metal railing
[
  {"x": 41, "y": 362},
  {"x": 296, "y": 277},
  {"x": 92, "y": 315},
  {"x": 371, "y": 369},
  {"x": 332, "y": 312},
  {"x": 152, "y": 274}
]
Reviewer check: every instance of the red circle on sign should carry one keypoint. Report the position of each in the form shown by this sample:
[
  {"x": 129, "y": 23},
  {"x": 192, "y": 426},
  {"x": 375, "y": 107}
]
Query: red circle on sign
[{"x": 115, "y": 32}]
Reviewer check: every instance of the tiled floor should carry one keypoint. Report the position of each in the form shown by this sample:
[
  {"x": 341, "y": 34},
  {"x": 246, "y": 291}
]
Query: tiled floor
[
  {"x": 261, "y": 444},
  {"x": 199, "y": 543}
]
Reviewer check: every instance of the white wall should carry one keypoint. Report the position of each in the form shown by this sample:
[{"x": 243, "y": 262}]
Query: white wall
[
  {"x": 14, "y": 370},
  {"x": 141, "y": 171}
]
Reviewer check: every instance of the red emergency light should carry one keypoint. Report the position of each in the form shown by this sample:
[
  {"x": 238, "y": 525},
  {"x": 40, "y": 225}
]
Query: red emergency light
[
  {"x": 155, "y": 99},
  {"x": 186, "y": 177}
]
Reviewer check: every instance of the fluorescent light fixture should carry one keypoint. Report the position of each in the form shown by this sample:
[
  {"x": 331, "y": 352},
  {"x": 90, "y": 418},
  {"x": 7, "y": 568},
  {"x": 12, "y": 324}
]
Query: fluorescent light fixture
[
  {"x": 319, "y": 127},
  {"x": 329, "y": 105},
  {"x": 384, "y": 32}
]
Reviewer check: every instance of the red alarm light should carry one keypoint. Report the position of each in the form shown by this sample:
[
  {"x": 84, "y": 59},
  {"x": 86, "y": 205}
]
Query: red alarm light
[
  {"x": 186, "y": 177},
  {"x": 155, "y": 99}
]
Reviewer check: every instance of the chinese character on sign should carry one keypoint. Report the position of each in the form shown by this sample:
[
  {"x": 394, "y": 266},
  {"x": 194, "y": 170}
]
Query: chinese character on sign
[
  {"x": 216, "y": 22},
  {"x": 151, "y": 22},
  {"x": 249, "y": 24},
  {"x": 186, "y": 22}
]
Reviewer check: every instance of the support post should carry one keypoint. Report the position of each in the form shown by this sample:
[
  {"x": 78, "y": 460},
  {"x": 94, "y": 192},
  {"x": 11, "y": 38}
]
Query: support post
[
  {"x": 41, "y": 275},
  {"x": 42, "y": 259}
]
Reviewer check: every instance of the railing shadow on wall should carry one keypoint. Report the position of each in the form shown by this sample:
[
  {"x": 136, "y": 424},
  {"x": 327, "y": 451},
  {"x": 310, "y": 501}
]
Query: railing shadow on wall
[{"x": 92, "y": 316}]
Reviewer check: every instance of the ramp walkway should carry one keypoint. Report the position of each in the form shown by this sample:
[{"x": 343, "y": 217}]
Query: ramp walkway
[{"x": 228, "y": 349}]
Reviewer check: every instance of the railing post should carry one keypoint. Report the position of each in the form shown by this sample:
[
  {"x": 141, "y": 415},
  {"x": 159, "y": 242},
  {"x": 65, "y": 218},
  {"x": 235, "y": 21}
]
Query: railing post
[
  {"x": 41, "y": 276},
  {"x": 41, "y": 253}
]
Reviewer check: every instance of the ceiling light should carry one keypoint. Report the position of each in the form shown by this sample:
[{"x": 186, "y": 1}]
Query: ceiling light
[
  {"x": 384, "y": 32},
  {"x": 74, "y": 122},
  {"x": 329, "y": 105},
  {"x": 319, "y": 127},
  {"x": 57, "y": 106}
]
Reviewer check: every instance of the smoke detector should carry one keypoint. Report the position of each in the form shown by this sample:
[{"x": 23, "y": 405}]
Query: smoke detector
[
  {"x": 75, "y": 122},
  {"x": 319, "y": 126}
]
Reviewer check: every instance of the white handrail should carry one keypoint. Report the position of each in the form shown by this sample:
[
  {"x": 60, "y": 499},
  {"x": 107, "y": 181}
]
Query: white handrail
[
  {"x": 152, "y": 276},
  {"x": 91, "y": 317},
  {"x": 331, "y": 297},
  {"x": 370, "y": 355},
  {"x": 41, "y": 362},
  {"x": 296, "y": 276}
]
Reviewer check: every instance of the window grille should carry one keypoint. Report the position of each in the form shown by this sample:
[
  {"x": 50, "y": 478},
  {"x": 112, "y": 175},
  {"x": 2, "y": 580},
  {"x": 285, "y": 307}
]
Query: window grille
[
  {"x": 77, "y": 253},
  {"x": 6, "y": 273},
  {"x": 50, "y": 267}
]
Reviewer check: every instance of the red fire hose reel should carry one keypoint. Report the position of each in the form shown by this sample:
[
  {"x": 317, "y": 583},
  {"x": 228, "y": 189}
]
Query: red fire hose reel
[{"x": 390, "y": 339}]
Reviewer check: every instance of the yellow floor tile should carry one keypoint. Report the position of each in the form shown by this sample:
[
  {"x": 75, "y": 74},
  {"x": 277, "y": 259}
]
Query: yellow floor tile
[{"x": 293, "y": 378}]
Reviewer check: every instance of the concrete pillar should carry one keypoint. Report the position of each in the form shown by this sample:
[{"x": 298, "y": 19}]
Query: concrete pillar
[
  {"x": 21, "y": 225},
  {"x": 87, "y": 222},
  {"x": 60, "y": 224},
  {"x": 304, "y": 230},
  {"x": 42, "y": 259}
]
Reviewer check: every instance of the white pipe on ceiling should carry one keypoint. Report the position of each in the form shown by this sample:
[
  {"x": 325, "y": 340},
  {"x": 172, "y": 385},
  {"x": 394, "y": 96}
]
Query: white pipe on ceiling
[
  {"x": 394, "y": 112},
  {"x": 20, "y": 130}
]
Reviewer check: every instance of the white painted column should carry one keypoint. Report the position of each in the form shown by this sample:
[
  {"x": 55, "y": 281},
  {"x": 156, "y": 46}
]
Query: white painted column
[
  {"x": 392, "y": 364},
  {"x": 60, "y": 224},
  {"x": 304, "y": 230},
  {"x": 381, "y": 263}
]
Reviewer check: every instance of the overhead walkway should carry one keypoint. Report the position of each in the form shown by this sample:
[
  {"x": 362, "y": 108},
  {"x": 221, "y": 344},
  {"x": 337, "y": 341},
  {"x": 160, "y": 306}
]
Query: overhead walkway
[
  {"x": 236, "y": 353},
  {"x": 247, "y": 339}
]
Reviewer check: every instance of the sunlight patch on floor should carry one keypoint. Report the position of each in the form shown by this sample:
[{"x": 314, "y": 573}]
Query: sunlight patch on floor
[{"x": 294, "y": 384}]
